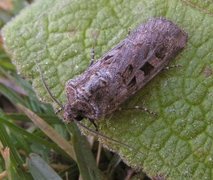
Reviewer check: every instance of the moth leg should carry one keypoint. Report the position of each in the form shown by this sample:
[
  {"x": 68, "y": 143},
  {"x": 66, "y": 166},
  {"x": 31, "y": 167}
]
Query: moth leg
[
  {"x": 59, "y": 110},
  {"x": 171, "y": 67},
  {"x": 94, "y": 124},
  {"x": 142, "y": 108},
  {"x": 92, "y": 55},
  {"x": 129, "y": 31}
]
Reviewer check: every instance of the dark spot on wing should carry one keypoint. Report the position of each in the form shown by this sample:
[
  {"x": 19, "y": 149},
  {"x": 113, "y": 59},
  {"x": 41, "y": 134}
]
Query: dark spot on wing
[
  {"x": 107, "y": 57},
  {"x": 160, "y": 54},
  {"x": 147, "y": 68},
  {"x": 127, "y": 72},
  {"x": 132, "y": 82}
]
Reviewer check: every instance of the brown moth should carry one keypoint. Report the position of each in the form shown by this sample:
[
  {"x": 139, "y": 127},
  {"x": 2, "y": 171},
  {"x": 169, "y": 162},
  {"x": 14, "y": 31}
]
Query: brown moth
[{"x": 123, "y": 70}]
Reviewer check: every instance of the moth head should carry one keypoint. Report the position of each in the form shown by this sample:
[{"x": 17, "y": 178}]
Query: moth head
[{"x": 77, "y": 111}]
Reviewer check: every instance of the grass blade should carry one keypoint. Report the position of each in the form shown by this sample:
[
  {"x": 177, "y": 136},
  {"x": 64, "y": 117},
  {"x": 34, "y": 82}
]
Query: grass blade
[{"x": 49, "y": 131}]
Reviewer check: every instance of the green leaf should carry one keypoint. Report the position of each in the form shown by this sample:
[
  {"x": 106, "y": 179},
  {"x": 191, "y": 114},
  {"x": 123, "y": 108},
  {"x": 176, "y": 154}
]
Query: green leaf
[
  {"x": 40, "y": 169},
  {"x": 49, "y": 131},
  {"x": 60, "y": 34},
  {"x": 26, "y": 135},
  {"x": 86, "y": 162},
  {"x": 13, "y": 161}
]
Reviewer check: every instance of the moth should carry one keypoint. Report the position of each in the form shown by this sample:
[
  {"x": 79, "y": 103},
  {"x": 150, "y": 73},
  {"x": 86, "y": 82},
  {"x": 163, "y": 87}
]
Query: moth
[{"x": 123, "y": 70}]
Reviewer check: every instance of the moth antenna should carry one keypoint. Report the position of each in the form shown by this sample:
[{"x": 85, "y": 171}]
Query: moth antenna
[
  {"x": 46, "y": 86},
  {"x": 103, "y": 136}
]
